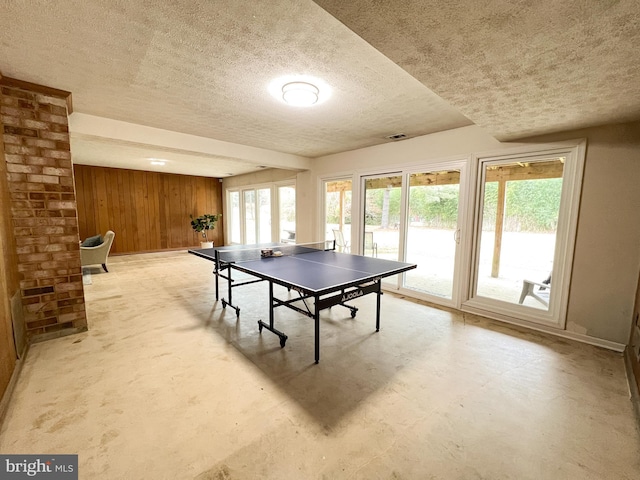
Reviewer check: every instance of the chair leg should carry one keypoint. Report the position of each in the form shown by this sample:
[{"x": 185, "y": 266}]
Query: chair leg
[
  {"x": 527, "y": 289},
  {"x": 104, "y": 265}
]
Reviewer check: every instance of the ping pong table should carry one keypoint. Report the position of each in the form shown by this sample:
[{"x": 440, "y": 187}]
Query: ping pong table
[{"x": 314, "y": 271}]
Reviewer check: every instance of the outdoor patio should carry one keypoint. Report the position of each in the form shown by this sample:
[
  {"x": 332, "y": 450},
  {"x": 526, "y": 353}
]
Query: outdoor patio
[{"x": 524, "y": 255}]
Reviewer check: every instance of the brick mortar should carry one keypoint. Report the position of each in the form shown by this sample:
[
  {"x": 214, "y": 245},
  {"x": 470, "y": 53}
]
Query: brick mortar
[{"x": 43, "y": 204}]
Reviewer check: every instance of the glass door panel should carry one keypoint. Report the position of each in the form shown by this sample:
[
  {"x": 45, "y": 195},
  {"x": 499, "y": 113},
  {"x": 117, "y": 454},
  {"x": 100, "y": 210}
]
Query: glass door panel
[
  {"x": 517, "y": 230},
  {"x": 382, "y": 218},
  {"x": 432, "y": 232},
  {"x": 250, "y": 217},
  {"x": 235, "y": 235},
  {"x": 264, "y": 215},
  {"x": 287, "y": 212},
  {"x": 337, "y": 212}
]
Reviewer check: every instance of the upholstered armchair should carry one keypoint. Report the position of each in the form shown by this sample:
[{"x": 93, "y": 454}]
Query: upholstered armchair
[{"x": 97, "y": 255}]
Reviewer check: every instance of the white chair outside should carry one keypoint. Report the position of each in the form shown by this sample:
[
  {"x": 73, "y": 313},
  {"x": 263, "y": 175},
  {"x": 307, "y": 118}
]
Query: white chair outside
[
  {"x": 341, "y": 244},
  {"x": 539, "y": 291},
  {"x": 369, "y": 244}
]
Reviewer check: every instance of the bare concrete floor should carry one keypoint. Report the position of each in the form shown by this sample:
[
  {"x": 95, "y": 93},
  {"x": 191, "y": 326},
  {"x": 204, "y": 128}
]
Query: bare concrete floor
[{"x": 167, "y": 384}]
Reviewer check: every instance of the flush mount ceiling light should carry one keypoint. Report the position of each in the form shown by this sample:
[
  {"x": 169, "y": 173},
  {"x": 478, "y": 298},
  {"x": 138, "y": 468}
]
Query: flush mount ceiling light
[
  {"x": 294, "y": 89},
  {"x": 157, "y": 161},
  {"x": 300, "y": 94}
]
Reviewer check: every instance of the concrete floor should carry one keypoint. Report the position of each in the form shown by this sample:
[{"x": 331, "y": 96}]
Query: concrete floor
[{"x": 168, "y": 385}]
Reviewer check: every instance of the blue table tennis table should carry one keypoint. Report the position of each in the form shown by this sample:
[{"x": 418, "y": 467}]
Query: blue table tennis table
[{"x": 314, "y": 271}]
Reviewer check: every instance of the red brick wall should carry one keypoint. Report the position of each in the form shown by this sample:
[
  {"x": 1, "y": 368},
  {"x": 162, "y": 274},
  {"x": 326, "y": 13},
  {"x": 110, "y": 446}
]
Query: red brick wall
[{"x": 43, "y": 209}]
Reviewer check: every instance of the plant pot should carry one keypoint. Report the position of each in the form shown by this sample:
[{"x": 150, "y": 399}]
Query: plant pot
[{"x": 206, "y": 244}]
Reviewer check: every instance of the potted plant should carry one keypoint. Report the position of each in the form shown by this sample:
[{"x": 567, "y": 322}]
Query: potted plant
[{"x": 202, "y": 225}]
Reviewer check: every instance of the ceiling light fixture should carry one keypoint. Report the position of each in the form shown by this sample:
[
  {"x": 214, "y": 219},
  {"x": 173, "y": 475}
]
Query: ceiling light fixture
[
  {"x": 287, "y": 86},
  {"x": 157, "y": 161},
  {"x": 300, "y": 94}
]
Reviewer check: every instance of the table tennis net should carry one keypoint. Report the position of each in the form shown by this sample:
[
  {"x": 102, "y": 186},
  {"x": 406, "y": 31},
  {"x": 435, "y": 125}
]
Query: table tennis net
[{"x": 257, "y": 252}]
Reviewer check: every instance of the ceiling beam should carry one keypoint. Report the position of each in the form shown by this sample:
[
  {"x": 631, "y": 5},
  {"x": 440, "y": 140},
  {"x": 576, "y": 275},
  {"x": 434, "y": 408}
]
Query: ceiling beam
[{"x": 123, "y": 132}]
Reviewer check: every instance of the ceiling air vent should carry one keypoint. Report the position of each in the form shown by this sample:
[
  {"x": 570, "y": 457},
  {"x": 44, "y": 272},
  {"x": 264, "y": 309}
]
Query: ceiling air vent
[{"x": 397, "y": 136}]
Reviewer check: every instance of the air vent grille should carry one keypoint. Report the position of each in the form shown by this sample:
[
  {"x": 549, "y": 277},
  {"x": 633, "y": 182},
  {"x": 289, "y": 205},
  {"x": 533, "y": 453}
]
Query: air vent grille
[{"x": 397, "y": 136}]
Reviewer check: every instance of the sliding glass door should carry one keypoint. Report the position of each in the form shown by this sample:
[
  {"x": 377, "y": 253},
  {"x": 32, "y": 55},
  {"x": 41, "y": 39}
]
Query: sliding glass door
[
  {"x": 261, "y": 214},
  {"x": 337, "y": 212},
  {"x": 250, "y": 217},
  {"x": 234, "y": 222},
  {"x": 287, "y": 213},
  {"x": 525, "y": 219},
  {"x": 517, "y": 231},
  {"x": 257, "y": 215},
  {"x": 495, "y": 239},
  {"x": 432, "y": 231},
  {"x": 382, "y": 219}
]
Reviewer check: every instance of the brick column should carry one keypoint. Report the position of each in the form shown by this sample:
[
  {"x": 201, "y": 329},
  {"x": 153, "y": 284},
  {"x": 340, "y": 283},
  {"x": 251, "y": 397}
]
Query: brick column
[{"x": 43, "y": 207}]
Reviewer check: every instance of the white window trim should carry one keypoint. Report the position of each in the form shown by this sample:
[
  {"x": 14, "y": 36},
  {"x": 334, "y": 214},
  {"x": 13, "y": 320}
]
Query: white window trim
[
  {"x": 275, "y": 206},
  {"x": 459, "y": 163},
  {"x": 555, "y": 317}
]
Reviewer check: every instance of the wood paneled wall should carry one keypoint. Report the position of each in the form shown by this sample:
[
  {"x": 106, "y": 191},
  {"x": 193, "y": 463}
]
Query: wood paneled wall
[
  {"x": 148, "y": 211},
  {"x": 9, "y": 283}
]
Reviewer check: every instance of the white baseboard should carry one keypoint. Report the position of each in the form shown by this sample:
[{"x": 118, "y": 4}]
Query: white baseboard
[
  {"x": 578, "y": 337},
  {"x": 634, "y": 389}
]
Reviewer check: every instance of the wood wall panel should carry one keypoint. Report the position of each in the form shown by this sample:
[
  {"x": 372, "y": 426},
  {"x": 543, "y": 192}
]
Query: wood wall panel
[
  {"x": 148, "y": 211},
  {"x": 9, "y": 281}
]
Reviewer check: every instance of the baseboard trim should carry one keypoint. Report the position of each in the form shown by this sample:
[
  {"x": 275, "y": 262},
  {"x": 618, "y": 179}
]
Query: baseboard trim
[
  {"x": 634, "y": 389},
  {"x": 578, "y": 337}
]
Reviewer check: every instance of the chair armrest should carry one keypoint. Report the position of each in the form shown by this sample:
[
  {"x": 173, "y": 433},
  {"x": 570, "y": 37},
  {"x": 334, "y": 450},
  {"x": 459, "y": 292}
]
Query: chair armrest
[
  {"x": 540, "y": 284},
  {"x": 541, "y": 295},
  {"x": 98, "y": 247}
]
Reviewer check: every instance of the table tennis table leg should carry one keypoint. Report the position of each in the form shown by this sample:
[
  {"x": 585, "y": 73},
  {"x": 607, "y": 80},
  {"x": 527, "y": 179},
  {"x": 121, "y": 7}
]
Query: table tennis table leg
[
  {"x": 229, "y": 294},
  {"x": 316, "y": 320},
  {"x": 271, "y": 326},
  {"x": 378, "y": 295},
  {"x": 215, "y": 272}
]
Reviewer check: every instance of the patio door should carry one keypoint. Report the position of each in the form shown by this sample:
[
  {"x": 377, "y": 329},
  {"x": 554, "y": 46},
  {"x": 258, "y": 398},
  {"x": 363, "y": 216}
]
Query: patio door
[
  {"x": 526, "y": 210},
  {"x": 261, "y": 214},
  {"x": 517, "y": 230},
  {"x": 257, "y": 215},
  {"x": 337, "y": 212},
  {"x": 249, "y": 215},
  {"x": 433, "y": 233},
  {"x": 383, "y": 220},
  {"x": 287, "y": 213}
]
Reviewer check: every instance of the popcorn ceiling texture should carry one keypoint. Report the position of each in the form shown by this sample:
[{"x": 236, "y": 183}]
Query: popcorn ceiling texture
[
  {"x": 204, "y": 68},
  {"x": 516, "y": 68}
]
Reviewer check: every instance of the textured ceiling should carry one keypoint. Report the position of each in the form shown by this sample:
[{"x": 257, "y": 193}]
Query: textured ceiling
[
  {"x": 203, "y": 68},
  {"x": 517, "y": 68}
]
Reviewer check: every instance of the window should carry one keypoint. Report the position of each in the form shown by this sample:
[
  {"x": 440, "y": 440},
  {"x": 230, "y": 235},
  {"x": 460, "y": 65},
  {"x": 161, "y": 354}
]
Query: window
[
  {"x": 337, "y": 212},
  {"x": 526, "y": 208},
  {"x": 432, "y": 231},
  {"x": 251, "y": 211},
  {"x": 287, "y": 213},
  {"x": 492, "y": 235}
]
